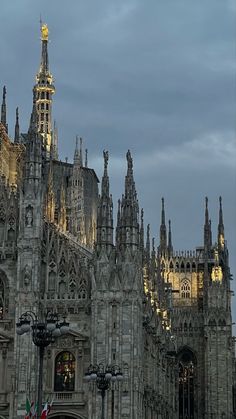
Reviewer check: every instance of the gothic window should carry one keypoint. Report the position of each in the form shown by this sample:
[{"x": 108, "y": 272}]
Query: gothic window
[
  {"x": 186, "y": 384},
  {"x": 188, "y": 267},
  {"x": 62, "y": 288},
  {"x": 176, "y": 266},
  {"x": 64, "y": 372},
  {"x": 11, "y": 234},
  {"x": 182, "y": 267},
  {"x": 82, "y": 294},
  {"x": 51, "y": 281},
  {"x": 194, "y": 267},
  {"x": 171, "y": 267},
  {"x": 72, "y": 287},
  {"x": 2, "y": 296},
  {"x": 185, "y": 289}
]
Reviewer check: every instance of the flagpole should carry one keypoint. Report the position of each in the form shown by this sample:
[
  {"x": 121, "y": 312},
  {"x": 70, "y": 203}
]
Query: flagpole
[{"x": 40, "y": 380}]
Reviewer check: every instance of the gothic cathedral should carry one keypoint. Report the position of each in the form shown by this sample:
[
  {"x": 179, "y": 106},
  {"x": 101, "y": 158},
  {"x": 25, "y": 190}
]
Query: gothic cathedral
[{"x": 162, "y": 316}]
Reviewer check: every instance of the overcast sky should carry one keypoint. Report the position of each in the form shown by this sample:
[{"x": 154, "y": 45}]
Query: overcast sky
[{"x": 154, "y": 76}]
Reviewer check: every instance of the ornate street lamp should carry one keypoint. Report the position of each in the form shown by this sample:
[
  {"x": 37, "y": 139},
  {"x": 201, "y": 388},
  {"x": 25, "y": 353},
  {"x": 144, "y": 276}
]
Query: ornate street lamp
[
  {"x": 44, "y": 331},
  {"x": 103, "y": 377}
]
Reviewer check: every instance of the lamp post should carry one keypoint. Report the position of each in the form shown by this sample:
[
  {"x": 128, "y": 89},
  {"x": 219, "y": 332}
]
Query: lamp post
[
  {"x": 44, "y": 330},
  {"x": 103, "y": 377}
]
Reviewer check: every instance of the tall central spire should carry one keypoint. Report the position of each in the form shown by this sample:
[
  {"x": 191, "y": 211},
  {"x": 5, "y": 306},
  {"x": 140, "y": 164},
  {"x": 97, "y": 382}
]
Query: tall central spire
[{"x": 43, "y": 90}]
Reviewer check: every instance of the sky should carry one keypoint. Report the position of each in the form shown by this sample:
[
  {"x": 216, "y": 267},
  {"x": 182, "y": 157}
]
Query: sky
[{"x": 156, "y": 77}]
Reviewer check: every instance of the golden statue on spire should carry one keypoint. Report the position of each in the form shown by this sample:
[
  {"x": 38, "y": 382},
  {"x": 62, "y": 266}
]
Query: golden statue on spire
[{"x": 44, "y": 32}]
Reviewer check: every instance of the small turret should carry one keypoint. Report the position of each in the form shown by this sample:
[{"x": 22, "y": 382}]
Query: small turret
[
  {"x": 128, "y": 228},
  {"x": 207, "y": 228},
  {"x": 4, "y": 109},
  {"x": 221, "y": 234},
  {"x": 148, "y": 242},
  {"x": 105, "y": 212},
  {"x": 170, "y": 247},
  {"x": 142, "y": 233},
  {"x": 17, "y": 128},
  {"x": 163, "y": 237}
]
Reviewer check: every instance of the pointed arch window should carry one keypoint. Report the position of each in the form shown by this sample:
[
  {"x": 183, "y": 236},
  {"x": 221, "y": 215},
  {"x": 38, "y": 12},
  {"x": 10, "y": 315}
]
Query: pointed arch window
[
  {"x": 64, "y": 372},
  {"x": 82, "y": 294},
  {"x": 187, "y": 402},
  {"x": 185, "y": 291}
]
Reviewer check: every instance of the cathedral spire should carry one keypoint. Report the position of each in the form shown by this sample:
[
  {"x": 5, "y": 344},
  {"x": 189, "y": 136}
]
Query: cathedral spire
[
  {"x": 221, "y": 238},
  {"x": 44, "y": 65},
  {"x": 148, "y": 242},
  {"x": 105, "y": 212},
  {"x": 17, "y": 128},
  {"x": 207, "y": 227},
  {"x": 128, "y": 234},
  {"x": 44, "y": 89},
  {"x": 142, "y": 232},
  {"x": 76, "y": 153},
  {"x": 81, "y": 151},
  {"x": 4, "y": 109},
  {"x": 163, "y": 238},
  {"x": 170, "y": 247}
]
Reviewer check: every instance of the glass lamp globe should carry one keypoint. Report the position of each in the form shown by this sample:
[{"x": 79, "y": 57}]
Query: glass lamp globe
[
  {"x": 108, "y": 375},
  {"x": 51, "y": 325},
  {"x": 56, "y": 332},
  {"x": 119, "y": 376},
  {"x": 25, "y": 326},
  {"x": 64, "y": 327},
  {"x": 19, "y": 330}
]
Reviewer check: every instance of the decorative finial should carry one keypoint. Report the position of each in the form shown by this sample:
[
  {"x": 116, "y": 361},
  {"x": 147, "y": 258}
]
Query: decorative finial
[
  {"x": 129, "y": 160},
  {"x": 106, "y": 158},
  {"x": 17, "y": 129},
  {"x": 44, "y": 32},
  {"x": 86, "y": 157}
]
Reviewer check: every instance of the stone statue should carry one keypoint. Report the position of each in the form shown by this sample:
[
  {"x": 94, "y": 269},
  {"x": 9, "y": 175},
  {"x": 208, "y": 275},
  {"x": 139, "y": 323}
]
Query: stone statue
[
  {"x": 27, "y": 273},
  {"x": 29, "y": 216},
  {"x": 44, "y": 32}
]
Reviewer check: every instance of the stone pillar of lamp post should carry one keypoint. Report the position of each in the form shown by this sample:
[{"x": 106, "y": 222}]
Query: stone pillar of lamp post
[
  {"x": 103, "y": 376},
  {"x": 44, "y": 331}
]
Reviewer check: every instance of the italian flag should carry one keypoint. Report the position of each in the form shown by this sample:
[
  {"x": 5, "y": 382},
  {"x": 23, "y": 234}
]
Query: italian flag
[
  {"x": 46, "y": 410},
  {"x": 29, "y": 409}
]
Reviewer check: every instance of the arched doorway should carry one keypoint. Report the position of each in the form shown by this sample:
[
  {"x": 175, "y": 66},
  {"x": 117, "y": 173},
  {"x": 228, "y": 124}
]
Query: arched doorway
[
  {"x": 65, "y": 416},
  {"x": 62, "y": 417},
  {"x": 187, "y": 384}
]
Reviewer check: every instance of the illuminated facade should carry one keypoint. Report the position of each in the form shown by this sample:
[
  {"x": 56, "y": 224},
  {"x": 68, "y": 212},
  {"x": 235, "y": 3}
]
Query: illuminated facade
[{"x": 163, "y": 316}]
